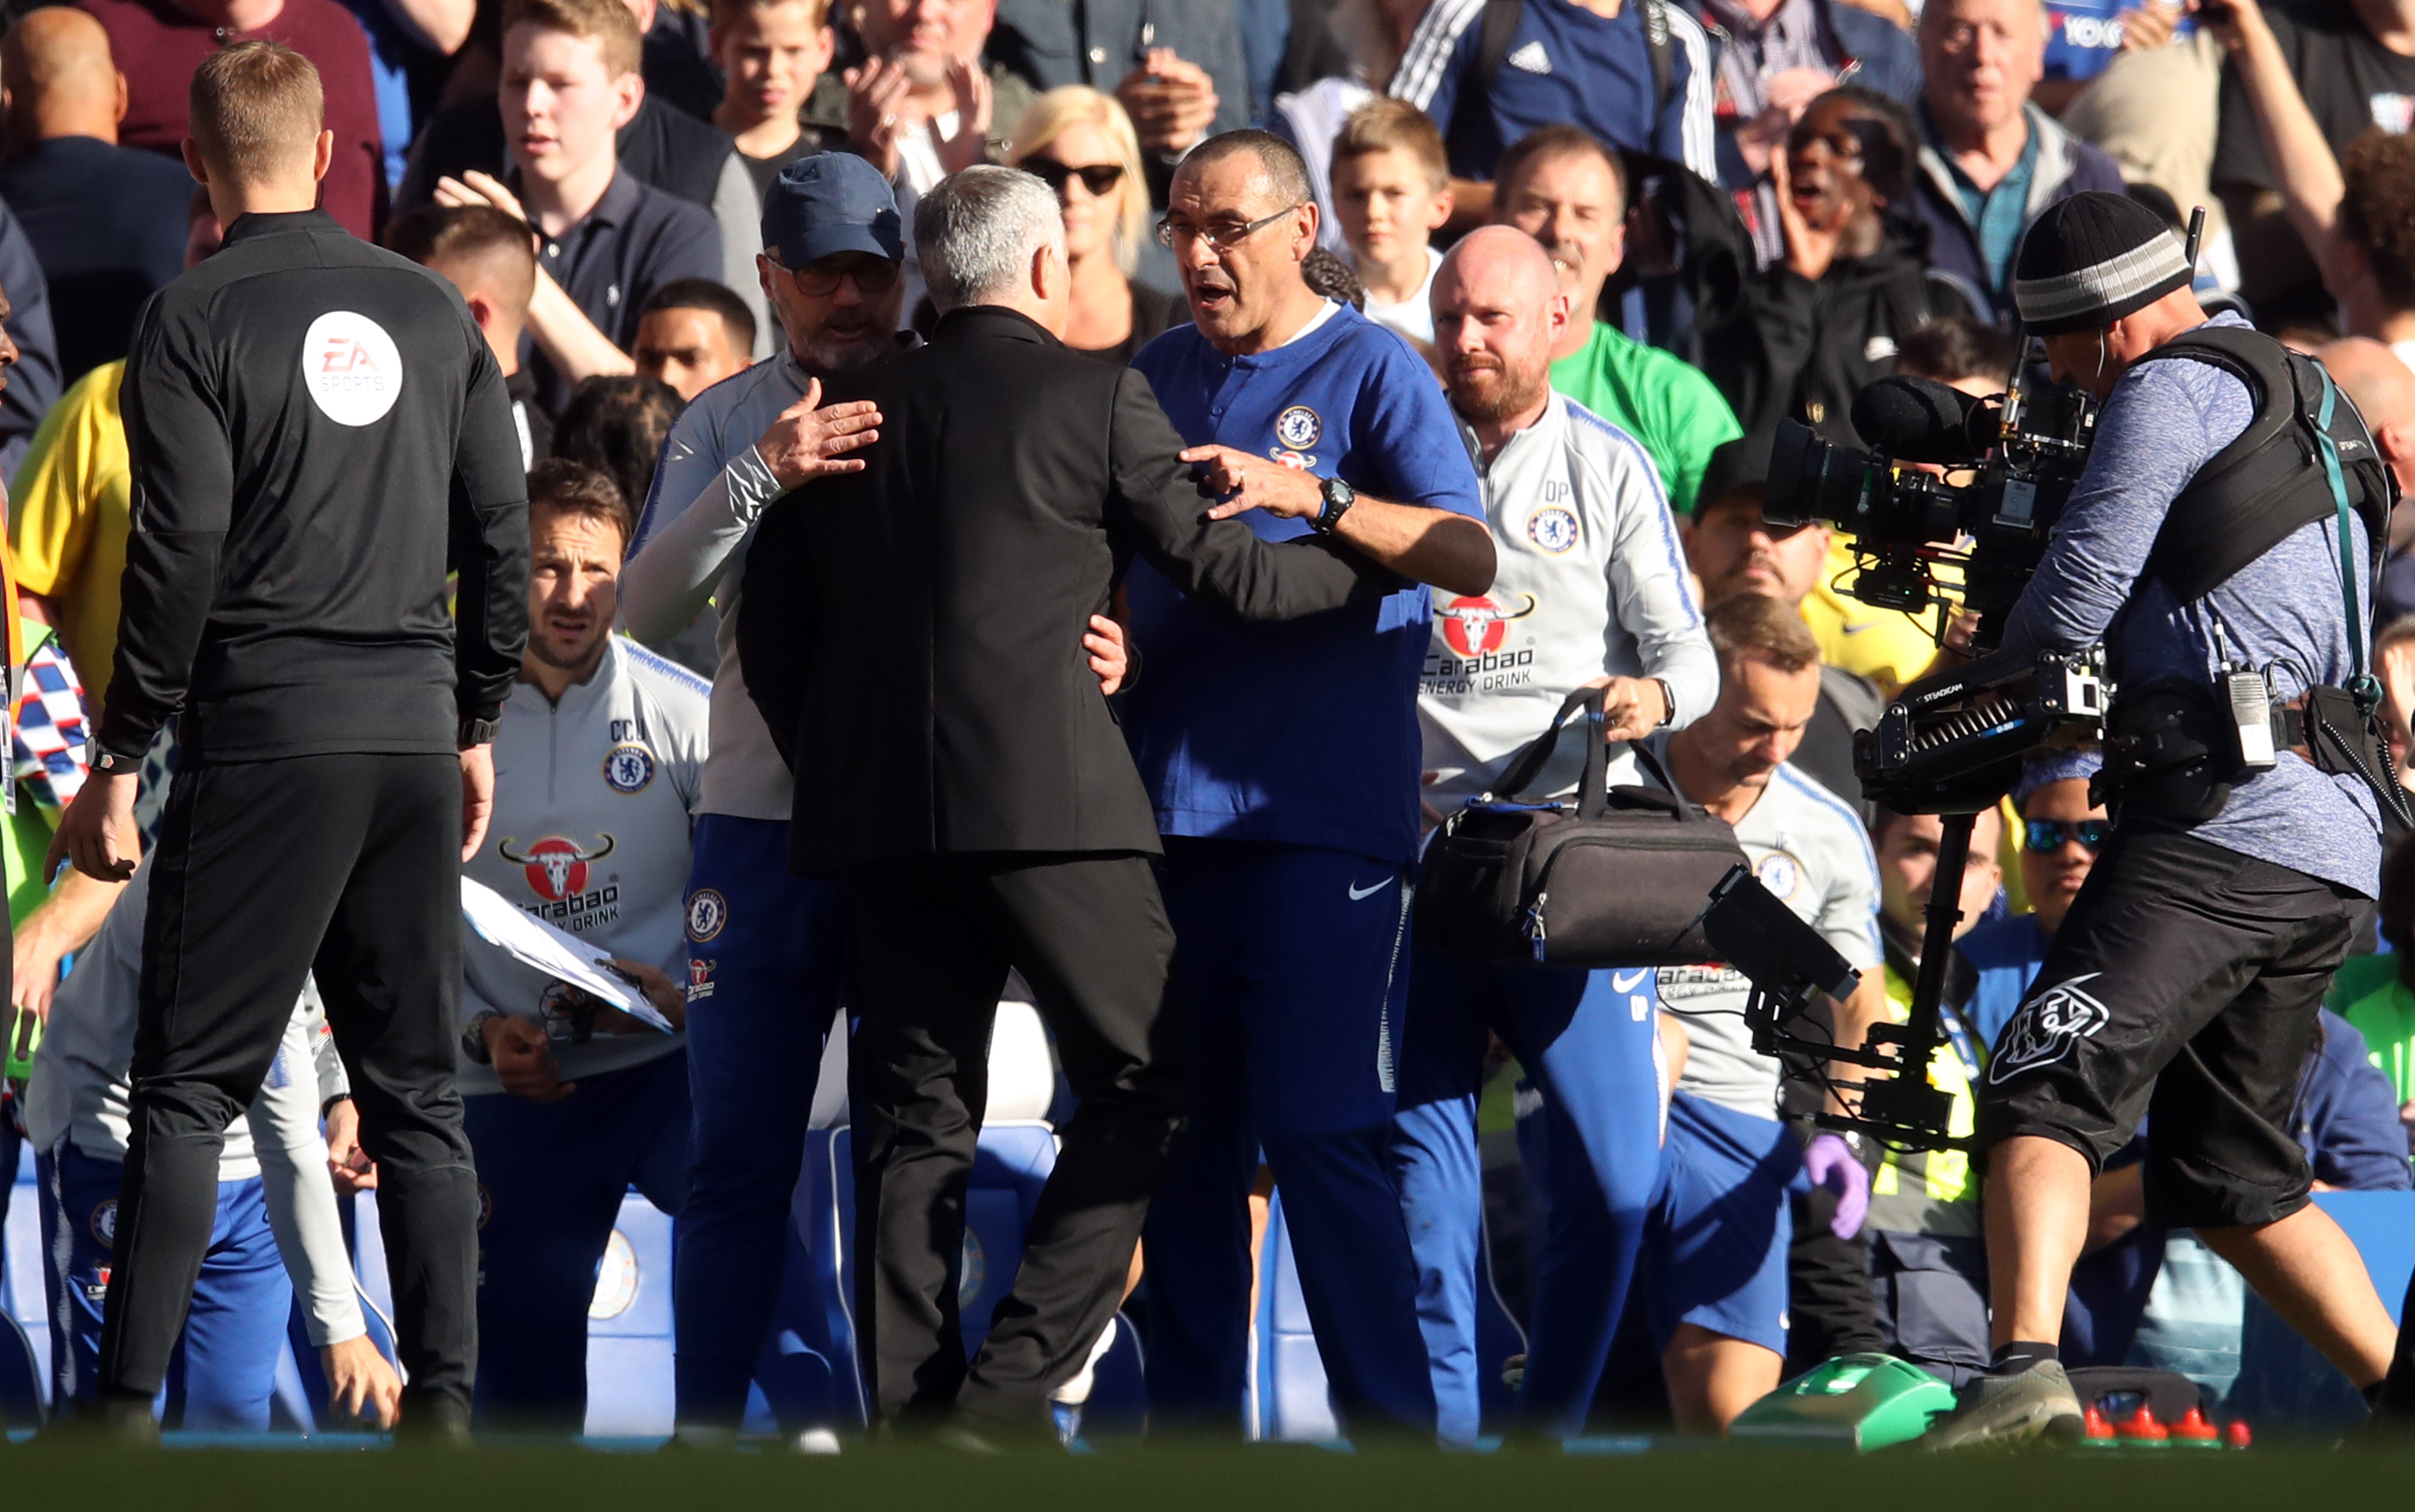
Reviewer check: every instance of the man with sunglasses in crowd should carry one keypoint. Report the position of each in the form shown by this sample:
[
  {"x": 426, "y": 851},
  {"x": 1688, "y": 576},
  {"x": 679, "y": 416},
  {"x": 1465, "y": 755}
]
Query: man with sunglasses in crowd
[
  {"x": 763, "y": 950},
  {"x": 2061, "y": 830},
  {"x": 1283, "y": 763}
]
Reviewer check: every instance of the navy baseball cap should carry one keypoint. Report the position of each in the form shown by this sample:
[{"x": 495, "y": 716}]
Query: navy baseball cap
[{"x": 831, "y": 201}]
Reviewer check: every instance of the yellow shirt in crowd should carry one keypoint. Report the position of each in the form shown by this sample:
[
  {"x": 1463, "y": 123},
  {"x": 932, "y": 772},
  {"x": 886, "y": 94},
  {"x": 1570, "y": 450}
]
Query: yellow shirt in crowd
[
  {"x": 68, "y": 517},
  {"x": 1887, "y": 646}
]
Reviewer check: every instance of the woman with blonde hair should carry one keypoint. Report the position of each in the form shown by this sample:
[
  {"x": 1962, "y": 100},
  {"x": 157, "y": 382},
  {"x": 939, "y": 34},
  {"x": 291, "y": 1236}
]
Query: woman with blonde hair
[{"x": 1082, "y": 144}]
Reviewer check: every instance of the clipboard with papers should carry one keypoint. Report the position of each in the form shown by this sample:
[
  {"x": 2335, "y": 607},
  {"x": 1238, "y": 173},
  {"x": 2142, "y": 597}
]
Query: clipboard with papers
[{"x": 562, "y": 956}]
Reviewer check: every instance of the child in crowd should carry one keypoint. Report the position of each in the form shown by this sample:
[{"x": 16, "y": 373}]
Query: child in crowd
[
  {"x": 1391, "y": 189},
  {"x": 771, "y": 51},
  {"x": 605, "y": 240}
]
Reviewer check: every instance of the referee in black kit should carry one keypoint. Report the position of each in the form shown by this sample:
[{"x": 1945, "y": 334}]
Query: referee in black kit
[{"x": 318, "y": 431}]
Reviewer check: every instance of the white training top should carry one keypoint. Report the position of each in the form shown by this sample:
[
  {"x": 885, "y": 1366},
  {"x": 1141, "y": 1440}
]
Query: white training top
[
  {"x": 595, "y": 799},
  {"x": 1810, "y": 851},
  {"x": 1590, "y": 581},
  {"x": 79, "y": 1088},
  {"x": 1412, "y": 316},
  {"x": 691, "y": 550}
]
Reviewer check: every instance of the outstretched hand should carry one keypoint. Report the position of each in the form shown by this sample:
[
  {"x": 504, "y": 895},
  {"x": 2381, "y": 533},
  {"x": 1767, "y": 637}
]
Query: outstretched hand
[
  {"x": 810, "y": 440},
  {"x": 1239, "y": 483}
]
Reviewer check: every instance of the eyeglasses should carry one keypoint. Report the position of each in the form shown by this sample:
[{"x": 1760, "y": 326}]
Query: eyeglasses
[
  {"x": 2053, "y": 834},
  {"x": 1224, "y": 235},
  {"x": 820, "y": 280},
  {"x": 1099, "y": 178}
]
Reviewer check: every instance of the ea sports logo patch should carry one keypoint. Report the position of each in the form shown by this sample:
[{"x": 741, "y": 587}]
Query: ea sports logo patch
[
  {"x": 1554, "y": 529},
  {"x": 628, "y": 768},
  {"x": 104, "y": 1223},
  {"x": 352, "y": 368},
  {"x": 707, "y": 913},
  {"x": 1298, "y": 428},
  {"x": 1780, "y": 873}
]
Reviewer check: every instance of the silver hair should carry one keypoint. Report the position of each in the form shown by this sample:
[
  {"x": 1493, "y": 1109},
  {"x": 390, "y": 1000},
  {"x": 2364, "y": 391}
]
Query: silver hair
[{"x": 976, "y": 233}]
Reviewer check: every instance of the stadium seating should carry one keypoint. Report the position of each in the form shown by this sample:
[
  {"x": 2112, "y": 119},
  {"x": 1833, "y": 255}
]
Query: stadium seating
[{"x": 21, "y": 1275}]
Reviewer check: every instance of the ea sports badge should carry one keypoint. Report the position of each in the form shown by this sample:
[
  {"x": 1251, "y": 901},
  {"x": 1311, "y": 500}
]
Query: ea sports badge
[
  {"x": 1299, "y": 428},
  {"x": 352, "y": 368}
]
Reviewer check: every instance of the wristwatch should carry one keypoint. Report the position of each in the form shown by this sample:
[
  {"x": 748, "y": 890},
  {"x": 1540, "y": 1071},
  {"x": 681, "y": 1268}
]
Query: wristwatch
[
  {"x": 473, "y": 1040},
  {"x": 476, "y": 731},
  {"x": 1668, "y": 703},
  {"x": 1339, "y": 496}
]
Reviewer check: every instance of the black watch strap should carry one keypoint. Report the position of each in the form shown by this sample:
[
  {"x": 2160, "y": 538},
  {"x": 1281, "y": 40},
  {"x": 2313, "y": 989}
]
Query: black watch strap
[
  {"x": 476, "y": 731},
  {"x": 473, "y": 1040},
  {"x": 1339, "y": 496}
]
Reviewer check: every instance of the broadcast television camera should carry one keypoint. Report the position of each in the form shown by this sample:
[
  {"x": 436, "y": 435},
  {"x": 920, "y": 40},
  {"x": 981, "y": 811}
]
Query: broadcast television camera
[
  {"x": 1948, "y": 743},
  {"x": 1907, "y": 523}
]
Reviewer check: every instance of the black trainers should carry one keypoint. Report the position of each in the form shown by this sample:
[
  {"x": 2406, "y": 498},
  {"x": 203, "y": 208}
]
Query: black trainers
[{"x": 2008, "y": 1411}]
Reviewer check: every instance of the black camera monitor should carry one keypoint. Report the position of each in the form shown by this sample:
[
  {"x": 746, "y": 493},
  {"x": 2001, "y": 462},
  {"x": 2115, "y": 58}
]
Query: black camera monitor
[{"x": 1781, "y": 955}]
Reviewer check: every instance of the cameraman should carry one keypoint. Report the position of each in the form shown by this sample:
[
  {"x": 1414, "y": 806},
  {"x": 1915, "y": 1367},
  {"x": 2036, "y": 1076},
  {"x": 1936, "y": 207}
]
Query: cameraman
[{"x": 2186, "y": 980}]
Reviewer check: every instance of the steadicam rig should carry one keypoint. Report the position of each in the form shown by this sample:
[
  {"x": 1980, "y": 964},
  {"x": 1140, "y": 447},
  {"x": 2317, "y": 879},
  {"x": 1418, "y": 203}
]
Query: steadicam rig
[{"x": 1789, "y": 966}]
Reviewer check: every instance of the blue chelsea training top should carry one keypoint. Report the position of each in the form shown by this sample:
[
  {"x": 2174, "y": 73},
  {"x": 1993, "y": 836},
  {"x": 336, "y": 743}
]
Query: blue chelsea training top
[{"x": 1304, "y": 732}]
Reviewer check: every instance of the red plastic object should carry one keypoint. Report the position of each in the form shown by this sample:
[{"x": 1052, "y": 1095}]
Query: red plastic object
[
  {"x": 2098, "y": 1427},
  {"x": 2236, "y": 1435},
  {"x": 2142, "y": 1428},
  {"x": 2194, "y": 1429}
]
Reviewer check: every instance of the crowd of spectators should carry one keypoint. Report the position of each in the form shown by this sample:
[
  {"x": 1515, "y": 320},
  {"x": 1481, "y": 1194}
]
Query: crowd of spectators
[{"x": 1751, "y": 209}]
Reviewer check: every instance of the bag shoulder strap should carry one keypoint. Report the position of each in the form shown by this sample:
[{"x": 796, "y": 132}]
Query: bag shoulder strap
[
  {"x": 1501, "y": 18},
  {"x": 1593, "y": 789},
  {"x": 2269, "y": 481},
  {"x": 1593, "y": 792},
  {"x": 1656, "y": 43}
]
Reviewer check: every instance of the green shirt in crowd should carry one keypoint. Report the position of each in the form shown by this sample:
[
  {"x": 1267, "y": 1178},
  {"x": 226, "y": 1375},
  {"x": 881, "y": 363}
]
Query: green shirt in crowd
[
  {"x": 1661, "y": 400},
  {"x": 2369, "y": 992}
]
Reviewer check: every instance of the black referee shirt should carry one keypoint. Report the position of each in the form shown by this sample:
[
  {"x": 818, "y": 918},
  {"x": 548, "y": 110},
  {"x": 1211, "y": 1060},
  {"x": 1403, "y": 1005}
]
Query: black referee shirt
[{"x": 318, "y": 431}]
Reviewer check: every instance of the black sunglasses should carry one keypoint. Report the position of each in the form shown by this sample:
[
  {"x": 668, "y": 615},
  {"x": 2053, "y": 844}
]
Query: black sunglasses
[
  {"x": 1099, "y": 178},
  {"x": 821, "y": 279},
  {"x": 2052, "y": 834}
]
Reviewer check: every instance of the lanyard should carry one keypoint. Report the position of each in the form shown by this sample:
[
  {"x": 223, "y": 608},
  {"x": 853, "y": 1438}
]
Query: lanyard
[{"x": 2367, "y": 691}]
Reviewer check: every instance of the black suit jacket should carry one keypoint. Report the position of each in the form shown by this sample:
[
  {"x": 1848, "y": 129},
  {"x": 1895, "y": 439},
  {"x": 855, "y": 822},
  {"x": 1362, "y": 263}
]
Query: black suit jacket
[{"x": 912, "y": 632}]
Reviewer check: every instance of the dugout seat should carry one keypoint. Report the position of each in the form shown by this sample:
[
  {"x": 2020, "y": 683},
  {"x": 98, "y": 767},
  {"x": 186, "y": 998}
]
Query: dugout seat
[
  {"x": 1287, "y": 1396},
  {"x": 22, "y": 1376},
  {"x": 1013, "y": 1162},
  {"x": 21, "y": 1275},
  {"x": 2282, "y": 1379}
]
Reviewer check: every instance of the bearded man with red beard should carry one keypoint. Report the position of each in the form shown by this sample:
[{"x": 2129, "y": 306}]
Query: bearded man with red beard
[{"x": 1591, "y": 591}]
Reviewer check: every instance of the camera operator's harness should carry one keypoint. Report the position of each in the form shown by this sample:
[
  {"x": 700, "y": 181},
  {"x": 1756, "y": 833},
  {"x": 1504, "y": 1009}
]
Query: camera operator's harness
[
  {"x": 1951, "y": 744},
  {"x": 2175, "y": 749}
]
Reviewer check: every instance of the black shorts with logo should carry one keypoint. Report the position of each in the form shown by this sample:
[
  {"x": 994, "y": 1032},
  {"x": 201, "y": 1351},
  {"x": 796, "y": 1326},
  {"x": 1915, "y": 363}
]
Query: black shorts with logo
[{"x": 2182, "y": 984}]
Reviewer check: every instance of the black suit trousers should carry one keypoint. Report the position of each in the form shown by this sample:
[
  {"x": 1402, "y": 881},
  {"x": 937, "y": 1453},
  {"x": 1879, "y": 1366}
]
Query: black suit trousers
[
  {"x": 350, "y": 866},
  {"x": 930, "y": 943}
]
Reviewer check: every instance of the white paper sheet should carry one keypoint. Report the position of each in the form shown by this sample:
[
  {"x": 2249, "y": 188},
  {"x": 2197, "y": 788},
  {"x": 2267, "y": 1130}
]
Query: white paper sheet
[{"x": 562, "y": 956}]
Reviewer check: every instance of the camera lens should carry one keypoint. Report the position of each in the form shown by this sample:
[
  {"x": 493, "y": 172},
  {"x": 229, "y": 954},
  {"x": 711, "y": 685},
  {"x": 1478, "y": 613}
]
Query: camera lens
[{"x": 1810, "y": 480}]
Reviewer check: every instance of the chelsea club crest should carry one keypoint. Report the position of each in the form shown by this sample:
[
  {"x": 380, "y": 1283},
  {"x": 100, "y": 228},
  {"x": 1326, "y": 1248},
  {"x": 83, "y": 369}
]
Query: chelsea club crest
[
  {"x": 627, "y": 768},
  {"x": 1299, "y": 428}
]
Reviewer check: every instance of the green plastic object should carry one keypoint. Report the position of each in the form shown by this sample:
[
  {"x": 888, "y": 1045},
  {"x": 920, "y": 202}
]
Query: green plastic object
[{"x": 1854, "y": 1401}]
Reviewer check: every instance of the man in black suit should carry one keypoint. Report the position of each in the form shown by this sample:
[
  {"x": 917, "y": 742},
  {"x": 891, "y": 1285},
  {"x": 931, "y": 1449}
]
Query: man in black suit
[{"x": 913, "y": 634}]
